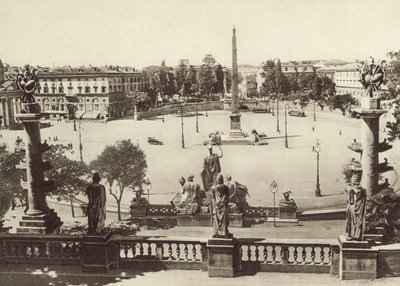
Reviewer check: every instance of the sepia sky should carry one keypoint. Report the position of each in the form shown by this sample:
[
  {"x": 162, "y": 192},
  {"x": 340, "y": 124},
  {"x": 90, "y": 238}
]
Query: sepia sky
[{"x": 141, "y": 33}]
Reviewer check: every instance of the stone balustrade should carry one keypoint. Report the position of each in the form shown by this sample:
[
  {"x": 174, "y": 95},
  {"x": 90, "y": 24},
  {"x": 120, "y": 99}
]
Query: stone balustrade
[
  {"x": 289, "y": 256},
  {"x": 37, "y": 249}
]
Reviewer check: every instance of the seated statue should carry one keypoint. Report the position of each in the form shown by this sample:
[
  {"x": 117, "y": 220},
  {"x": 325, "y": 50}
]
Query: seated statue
[
  {"x": 189, "y": 199},
  {"x": 237, "y": 195},
  {"x": 138, "y": 200},
  {"x": 216, "y": 139},
  {"x": 287, "y": 202}
]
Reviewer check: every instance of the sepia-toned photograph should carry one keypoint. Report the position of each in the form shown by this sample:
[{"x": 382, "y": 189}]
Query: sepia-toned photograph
[{"x": 213, "y": 142}]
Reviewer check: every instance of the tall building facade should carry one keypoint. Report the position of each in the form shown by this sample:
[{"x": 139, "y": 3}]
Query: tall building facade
[{"x": 92, "y": 91}]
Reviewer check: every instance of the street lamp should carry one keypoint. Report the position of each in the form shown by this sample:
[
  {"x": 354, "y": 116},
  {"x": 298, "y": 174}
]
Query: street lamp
[
  {"x": 277, "y": 112},
  {"x": 317, "y": 149},
  {"x": 286, "y": 141},
  {"x": 146, "y": 183},
  {"x": 274, "y": 189},
  {"x": 162, "y": 113},
  {"x": 80, "y": 142},
  {"x": 74, "y": 117},
  {"x": 183, "y": 138}
]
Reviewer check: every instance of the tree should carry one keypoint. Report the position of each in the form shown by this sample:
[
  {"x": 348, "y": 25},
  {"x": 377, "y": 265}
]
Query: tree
[
  {"x": 192, "y": 83},
  {"x": 394, "y": 126},
  {"x": 10, "y": 187},
  {"x": 251, "y": 86},
  {"x": 70, "y": 177},
  {"x": 341, "y": 101},
  {"x": 163, "y": 63},
  {"x": 317, "y": 88},
  {"x": 393, "y": 73},
  {"x": 123, "y": 165},
  {"x": 219, "y": 77},
  {"x": 206, "y": 76},
  {"x": 181, "y": 76},
  {"x": 269, "y": 86}
]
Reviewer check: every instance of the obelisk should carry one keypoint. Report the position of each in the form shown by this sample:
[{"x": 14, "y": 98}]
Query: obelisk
[{"x": 235, "y": 130}]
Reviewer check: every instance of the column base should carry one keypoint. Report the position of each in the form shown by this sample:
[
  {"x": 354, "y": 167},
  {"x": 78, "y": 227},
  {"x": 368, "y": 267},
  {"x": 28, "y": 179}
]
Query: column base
[
  {"x": 99, "y": 253},
  {"x": 40, "y": 224},
  {"x": 223, "y": 257}
]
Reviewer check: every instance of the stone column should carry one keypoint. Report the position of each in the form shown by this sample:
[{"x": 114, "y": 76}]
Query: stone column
[
  {"x": 1, "y": 113},
  {"x": 39, "y": 219},
  {"x": 6, "y": 113},
  {"x": 370, "y": 154}
]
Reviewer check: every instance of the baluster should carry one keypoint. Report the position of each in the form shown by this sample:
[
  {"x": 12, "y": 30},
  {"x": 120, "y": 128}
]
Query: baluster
[
  {"x": 178, "y": 252},
  {"x": 329, "y": 255},
  {"x": 322, "y": 254},
  {"x": 303, "y": 254},
  {"x": 42, "y": 248},
  {"x": 312, "y": 254},
  {"x": 141, "y": 249},
  {"x": 186, "y": 251},
  {"x": 249, "y": 252},
  {"x": 295, "y": 255},
  {"x": 273, "y": 253},
  {"x": 265, "y": 254},
  {"x": 125, "y": 249},
  {"x": 257, "y": 252},
  {"x": 169, "y": 251},
  {"x": 284, "y": 254},
  {"x": 194, "y": 252}
]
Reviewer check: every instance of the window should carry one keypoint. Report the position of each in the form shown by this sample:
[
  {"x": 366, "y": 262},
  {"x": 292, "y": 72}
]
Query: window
[
  {"x": 104, "y": 100},
  {"x": 103, "y": 89},
  {"x": 46, "y": 107},
  {"x": 96, "y": 107},
  {"x": 60, "y": 89},
  {"x": 53, "y": 90},
  {"x": 95, "y": 89},
  {"x": 79, "y": 89},
  {"x": 87, "y": 89},
  {"x": 80, "y": 106}
]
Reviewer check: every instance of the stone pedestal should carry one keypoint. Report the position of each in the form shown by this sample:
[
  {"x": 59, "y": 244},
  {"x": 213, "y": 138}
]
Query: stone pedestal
[
  {"x": 100, "y": 254},
  {"x": 40, "y": 224},
  {"x": 287, "y": 212},
  {"x": 236, "y": 131},
  {"x": 223, "y": 257},
  {"x": 357, "y": 260},
  {"x": 138, "y": 211}
]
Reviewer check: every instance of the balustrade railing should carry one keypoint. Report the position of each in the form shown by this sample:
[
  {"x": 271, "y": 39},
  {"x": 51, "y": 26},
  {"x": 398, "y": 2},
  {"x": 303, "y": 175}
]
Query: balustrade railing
[
  {"x": 163, "y": 252},
  {"x": 261, "y": 211},
  {"x": 40, "y": 249},
  {"x": 161, "y": 210},
  {"x": 286, "y": 255}
]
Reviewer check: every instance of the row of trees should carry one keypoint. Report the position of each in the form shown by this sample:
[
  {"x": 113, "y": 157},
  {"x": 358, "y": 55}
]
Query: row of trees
[
  {"x": 203, "y": 82},
  {"x": 123, "y": 166}
]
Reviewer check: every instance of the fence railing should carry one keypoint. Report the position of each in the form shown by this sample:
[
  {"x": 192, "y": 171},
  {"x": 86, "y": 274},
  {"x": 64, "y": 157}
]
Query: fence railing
[
  {"x": 287, "y": 255},
  {"x": 261, "y": 211},
  {"x": 41, "y": 249},
  {"x": 161, "y": 210},
  {"x": 162, "y": 252}
]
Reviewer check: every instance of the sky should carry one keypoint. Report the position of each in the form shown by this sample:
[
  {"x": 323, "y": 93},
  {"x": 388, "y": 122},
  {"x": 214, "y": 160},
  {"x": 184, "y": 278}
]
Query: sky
[{"x": 140, "y": 33}]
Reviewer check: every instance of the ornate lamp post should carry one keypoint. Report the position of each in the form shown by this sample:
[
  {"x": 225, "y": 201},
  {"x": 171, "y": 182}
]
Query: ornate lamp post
[
  {"x": 274, "y": 189},
  {"x": 183, "y": 138},
  {"x": 146, "y": 183},
  {"x": 317, "y": 149}
]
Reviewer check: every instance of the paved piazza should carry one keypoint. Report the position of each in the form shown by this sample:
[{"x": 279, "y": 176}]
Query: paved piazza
[{"x": 255, "y": 166}]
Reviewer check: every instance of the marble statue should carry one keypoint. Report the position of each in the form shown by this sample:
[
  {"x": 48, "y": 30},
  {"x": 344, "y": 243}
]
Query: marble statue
[
  {"x": 372, "y": 75},
  {"x": 27, "y": 83},
  {"x": 189, "y": 199},
  {"x": 355, "y": 212},
  {"x": 211, "y": 168},
  {"x": 220, "y": 208},
  {"x": 287, "y": 202},
  {"x": 237, "y": 195},
  {"x": 96, "y": 210}
]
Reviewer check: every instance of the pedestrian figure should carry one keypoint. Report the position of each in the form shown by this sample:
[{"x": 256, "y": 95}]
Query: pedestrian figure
[
  {"x": 313, "y": 128},
  {"x": 340, "y": 132}
]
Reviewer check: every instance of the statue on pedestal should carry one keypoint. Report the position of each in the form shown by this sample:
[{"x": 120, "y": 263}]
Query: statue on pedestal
[
  {"x": 355, "y": 212},
  {"x": 189, "y": 199},
  {"x": 211, "y": 168},
  {"x": 287, "y": 202},
  {"x": 237, "y": 195},
  {"x": 96, "y": 210},
  {"x": 220, "y": 209},
  {"x": 372, "y": 75}
]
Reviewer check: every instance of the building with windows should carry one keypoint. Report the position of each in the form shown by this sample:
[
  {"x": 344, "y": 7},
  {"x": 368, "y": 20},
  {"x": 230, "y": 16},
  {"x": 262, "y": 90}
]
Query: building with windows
[{"x": 94, "y": 92}]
